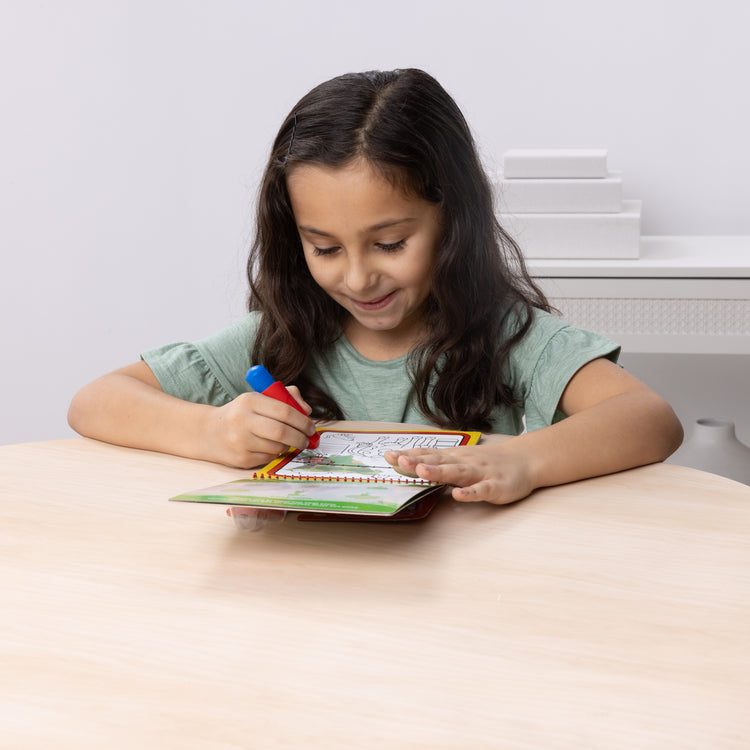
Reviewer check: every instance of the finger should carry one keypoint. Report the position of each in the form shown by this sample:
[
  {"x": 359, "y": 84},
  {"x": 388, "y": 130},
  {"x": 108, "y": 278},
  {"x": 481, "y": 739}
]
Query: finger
[
  {"x": 275, "y": 421},
  {"x": 406, "y": 461},
  {"x": 466, "y": 494},
  {"x": 419, "y": 454},
  {"x": 268, "y": 435},
  {"x": 461, "y": 475},
  {"x": 255, "y": 519},
  {"x": 487, "y": 490},
  {"x": 246, "y": 519},
  {"x": 297, "y": 396},
  {"x": 271, "y": 407},
  {"x": 402, "y": 464}
]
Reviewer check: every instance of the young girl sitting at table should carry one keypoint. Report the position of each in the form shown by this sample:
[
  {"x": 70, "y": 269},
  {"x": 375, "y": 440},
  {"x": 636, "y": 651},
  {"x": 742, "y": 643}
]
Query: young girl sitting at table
[{"x": 383, "y": 288}]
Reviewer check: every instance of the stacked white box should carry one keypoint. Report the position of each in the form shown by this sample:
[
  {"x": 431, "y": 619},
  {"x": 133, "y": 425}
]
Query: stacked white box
[
  {"x": 561, "y": 203},
  {"x": 561, "y": 195},
  {"x": 555, "y": 163}
]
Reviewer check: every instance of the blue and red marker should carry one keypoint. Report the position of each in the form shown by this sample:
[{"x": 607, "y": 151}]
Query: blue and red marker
[{"x": 260, "y": 380}]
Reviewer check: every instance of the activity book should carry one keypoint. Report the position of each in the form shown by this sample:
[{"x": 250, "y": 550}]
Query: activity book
[{"x": 345, "y": 474}]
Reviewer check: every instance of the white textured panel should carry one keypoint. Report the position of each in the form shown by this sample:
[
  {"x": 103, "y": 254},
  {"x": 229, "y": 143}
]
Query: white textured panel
[{"x": 658, "y": 317}]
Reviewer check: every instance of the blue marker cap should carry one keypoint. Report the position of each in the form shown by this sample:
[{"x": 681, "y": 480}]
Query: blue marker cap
[{"x": 258, "y": 378}]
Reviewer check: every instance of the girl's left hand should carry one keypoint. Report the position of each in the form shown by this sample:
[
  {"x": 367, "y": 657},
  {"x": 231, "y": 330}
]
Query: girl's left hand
[
  {"x": 255, "y": 519},
  {"x": 479, "y": 472}
]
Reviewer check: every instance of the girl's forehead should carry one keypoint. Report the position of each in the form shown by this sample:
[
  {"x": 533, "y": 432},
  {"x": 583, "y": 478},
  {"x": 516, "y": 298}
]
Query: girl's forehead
[{"x": 315, "y": 188}]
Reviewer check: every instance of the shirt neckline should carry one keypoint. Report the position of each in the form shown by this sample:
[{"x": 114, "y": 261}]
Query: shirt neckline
[{"x": 344, "y": 342}]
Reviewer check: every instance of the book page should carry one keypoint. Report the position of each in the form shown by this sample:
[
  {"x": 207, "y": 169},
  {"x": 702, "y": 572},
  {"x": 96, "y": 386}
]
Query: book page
[{"x": 358, "y": 456}]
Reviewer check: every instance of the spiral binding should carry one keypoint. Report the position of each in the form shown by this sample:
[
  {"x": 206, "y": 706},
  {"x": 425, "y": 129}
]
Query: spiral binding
[{"x": 347, "y": 480}]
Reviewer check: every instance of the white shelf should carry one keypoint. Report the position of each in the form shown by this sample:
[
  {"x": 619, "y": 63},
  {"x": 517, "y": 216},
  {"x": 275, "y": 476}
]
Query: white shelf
[
  {"x": 661, "y": 257},
  {"x": 683, "y": 295}
]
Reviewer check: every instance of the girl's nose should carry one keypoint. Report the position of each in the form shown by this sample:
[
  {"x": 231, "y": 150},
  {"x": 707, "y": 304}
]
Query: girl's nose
[{"x": 360, "y": 275}]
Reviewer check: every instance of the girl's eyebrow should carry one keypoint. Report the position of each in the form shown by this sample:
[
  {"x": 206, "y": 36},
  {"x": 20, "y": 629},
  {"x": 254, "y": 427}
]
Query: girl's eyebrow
[
  {"x": 390, "y": 223},
  {"x": 374, "y": 228},
  {"x": 312, "y": 230}
]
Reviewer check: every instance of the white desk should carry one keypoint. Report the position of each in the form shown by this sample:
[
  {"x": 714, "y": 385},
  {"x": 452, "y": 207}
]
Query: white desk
[
  {"x": 609, "y": 614},
  {"x": 683, "y": 295}
]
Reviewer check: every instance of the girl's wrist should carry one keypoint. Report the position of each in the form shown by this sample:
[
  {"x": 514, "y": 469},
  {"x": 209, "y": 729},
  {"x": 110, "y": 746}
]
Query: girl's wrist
[
  {"x": 200, "y": 432},
  {"x": 529, "y": 461}
]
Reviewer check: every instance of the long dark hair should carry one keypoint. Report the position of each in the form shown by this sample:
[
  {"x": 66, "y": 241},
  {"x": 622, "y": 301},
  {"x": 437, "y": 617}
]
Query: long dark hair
[{"x": 410, "y": 130}]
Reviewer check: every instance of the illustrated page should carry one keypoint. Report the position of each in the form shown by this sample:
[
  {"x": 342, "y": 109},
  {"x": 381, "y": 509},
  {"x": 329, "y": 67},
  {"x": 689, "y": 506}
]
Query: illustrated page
[{"x": 359, "y": 456}]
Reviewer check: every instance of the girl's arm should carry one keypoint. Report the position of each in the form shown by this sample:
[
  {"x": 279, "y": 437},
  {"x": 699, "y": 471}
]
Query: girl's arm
[
  {"x": 128, "y": 407},
  {"x": 614, "y": 422}
]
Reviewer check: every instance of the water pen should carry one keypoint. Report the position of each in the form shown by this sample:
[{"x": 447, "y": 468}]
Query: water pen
[{"x": 260, "y": 380}]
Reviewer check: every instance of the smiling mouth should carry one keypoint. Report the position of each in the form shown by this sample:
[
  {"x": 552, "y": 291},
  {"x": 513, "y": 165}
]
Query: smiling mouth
[{"x": 376, "y": 304}]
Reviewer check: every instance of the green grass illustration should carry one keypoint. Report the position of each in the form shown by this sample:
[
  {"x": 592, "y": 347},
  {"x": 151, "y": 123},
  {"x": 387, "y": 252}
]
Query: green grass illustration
[{"x": 340, "y": 465}]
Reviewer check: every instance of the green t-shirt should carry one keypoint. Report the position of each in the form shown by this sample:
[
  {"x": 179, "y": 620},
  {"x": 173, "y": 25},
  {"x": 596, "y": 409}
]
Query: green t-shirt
[{"x": 212, "y": 371}]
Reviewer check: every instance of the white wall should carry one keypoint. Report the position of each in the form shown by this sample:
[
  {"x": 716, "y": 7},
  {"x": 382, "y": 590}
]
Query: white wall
[{"x": 132, "y": 134}]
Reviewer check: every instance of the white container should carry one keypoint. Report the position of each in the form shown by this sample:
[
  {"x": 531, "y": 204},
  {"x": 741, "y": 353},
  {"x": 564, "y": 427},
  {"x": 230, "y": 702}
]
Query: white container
[
  {"x": 555, "y": 162},
  {"x": 574, "y": 236},
  {"x": 713, "y": 446},
  {"x": 539, "y": 196}
]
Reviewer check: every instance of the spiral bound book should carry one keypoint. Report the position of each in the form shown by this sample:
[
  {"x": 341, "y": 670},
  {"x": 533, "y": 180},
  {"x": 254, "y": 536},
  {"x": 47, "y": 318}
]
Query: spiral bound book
[{"x": 345, "y": 474}]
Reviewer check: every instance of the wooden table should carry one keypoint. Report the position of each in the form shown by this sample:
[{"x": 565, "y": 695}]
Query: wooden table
[{"x": 610, "y": 613}]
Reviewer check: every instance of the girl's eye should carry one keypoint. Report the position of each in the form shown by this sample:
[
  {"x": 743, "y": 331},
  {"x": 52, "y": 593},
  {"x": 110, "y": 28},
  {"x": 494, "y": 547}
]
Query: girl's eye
[
  {"x": 324, "y": 250},
  {"x": 391, "y": 247}
]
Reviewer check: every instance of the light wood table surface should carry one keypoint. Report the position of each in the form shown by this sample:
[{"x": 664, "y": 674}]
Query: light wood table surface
[{"x": 610, "y": 613}]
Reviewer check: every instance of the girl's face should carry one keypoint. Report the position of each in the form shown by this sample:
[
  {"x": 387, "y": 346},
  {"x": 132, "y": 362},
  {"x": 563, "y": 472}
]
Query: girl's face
[{"x": 371, "y": 247}]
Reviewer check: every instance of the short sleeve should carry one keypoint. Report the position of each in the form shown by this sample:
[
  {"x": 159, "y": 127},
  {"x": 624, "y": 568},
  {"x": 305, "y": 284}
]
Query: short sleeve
[
  {"x": 209, "y": 371},
  {"x": 543, "y": 362}
]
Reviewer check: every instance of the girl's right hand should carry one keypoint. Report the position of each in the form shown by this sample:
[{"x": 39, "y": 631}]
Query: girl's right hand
[{"x": 252, "y": 429}]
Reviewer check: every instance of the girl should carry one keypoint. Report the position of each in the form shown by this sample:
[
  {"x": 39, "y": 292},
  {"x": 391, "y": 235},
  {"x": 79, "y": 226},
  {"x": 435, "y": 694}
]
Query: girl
[{"x": 383, "y": 287}]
